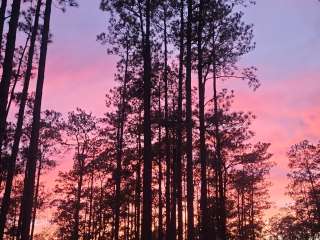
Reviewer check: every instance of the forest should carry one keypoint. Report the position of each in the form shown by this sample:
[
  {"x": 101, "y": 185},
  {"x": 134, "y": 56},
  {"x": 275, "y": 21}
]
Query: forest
[{"x": 171, "y": 158}]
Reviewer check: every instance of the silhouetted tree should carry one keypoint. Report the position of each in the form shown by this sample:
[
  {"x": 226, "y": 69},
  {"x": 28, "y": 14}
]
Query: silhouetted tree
[
  {"x": 18, "y": 131},
  {"x": 8, "y": 66},
  {"x": 304, "y": 186},
  {"x": 29, "y": 181},
  {"x": 190, "y": 190}
]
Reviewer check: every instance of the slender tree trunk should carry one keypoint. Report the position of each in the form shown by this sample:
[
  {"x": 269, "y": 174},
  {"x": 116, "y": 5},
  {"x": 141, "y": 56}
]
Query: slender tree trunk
[
  {"x": 238, "y": 213},
  {"x": 243, "y": 216},
  {"x": 91, "y": 213},
  {"x": 147, "y": 150},
  {"x": 169, "y": 211},
  {"x": 171, "y": 201},
  {"x": 7, "y": 68},
  {"x": 15, "y": 220},
  {"x": 132, "y": 222},
  {"x": 120, "y": 147},
  {"x": 221, "y": 196},
  {"x": 34, "y": 214},
  {"x": 18, "y": 132},
  {"x": 101, "y": 221},
  {"x": 28, "y": 191},
  {"x": 117, "y": 189},
  {"x": 160, "y": 227},
  {"x": 190, "y": 189},
  {"x": 16, "y": 78},
  {"x": 180, "y": 124},
  {"x": 138, "y": 192},
  {"x": 85, "y": 215},
  {"x": 167, "y": 192},
  {"x": 2, "y": 19},
  {"x": 203, "y": 151},
  {"x": 17, "y": 75},
  {"x": 76, "y": 214},
  {"x": 185, "y": 204},
  {"x": 252, "y": 226},
  {"x": 173, "y": 218}
]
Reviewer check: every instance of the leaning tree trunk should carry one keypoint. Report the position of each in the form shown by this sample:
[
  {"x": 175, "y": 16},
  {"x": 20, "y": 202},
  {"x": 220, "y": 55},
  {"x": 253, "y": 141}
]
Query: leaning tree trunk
[
  {"x": 18, "y": 74},
  {"x": 29, "y": 181},
  {"x": 18, "y": 132},
  {"x": 12, "y": 92},
  {"x": 147, "y": 150},
  {"x": 190, "y": 190},
  {"x": 7, "y": 68}
]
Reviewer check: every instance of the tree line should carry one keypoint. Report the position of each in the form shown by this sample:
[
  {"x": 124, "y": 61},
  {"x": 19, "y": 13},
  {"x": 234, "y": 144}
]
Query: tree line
[{"x": 170, "y": 158}]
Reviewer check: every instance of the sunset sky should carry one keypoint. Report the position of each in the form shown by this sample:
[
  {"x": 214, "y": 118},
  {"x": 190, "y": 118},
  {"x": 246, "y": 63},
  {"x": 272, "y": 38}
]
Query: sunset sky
[{"x": 287, "y": 34}]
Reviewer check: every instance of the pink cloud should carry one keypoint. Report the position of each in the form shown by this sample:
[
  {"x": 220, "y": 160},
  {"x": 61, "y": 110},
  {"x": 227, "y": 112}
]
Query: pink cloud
[{"x": 286, "y": 113}]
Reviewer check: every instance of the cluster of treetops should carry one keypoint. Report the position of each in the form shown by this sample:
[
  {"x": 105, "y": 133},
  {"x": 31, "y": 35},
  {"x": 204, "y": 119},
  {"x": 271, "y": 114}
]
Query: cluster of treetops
[{"x": 171, "y": 159}]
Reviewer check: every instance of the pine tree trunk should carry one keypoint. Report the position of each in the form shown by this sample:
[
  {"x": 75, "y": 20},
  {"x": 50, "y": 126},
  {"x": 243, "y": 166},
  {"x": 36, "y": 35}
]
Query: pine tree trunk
[
  {"x": 3, "y": 8},
  {"x": 29, "y": 182},
  {"x": 160, "y": 227},
  {"x": 203, "y": 151},
  {"x": 220, "y": 184},
  {"x": 180, "y": 124},
  {"x": 167, "y": 191},
  {"x": 138, "y": 191},
  {"x": 91, "y": 213},
  {"x": 238, "y": 213},
  {"x": 128, "y": 221},
  {"x": 171, "y": 201},
  {"x": 76, "y": 214},
  {"x": 252, "y": 226},
  {"x": 7, "y": 68},
  {"x": 173, "y": 218},
  {"x": 147, "y": 150},
  {"x": 14, "y": 225},
  {"x": 190, "y": 189},
  {"x": 34, "y": 214},
  {"x": 169, "y": 210},
  {"x": 17, "y": 75},
  {"x": 101, "y": 224},
  {"x": 185, "y": 205},
  {"x": 18, "y": 132},
  {"x": 132, "y": 221},
  {"x": 120, "y": 147}
]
